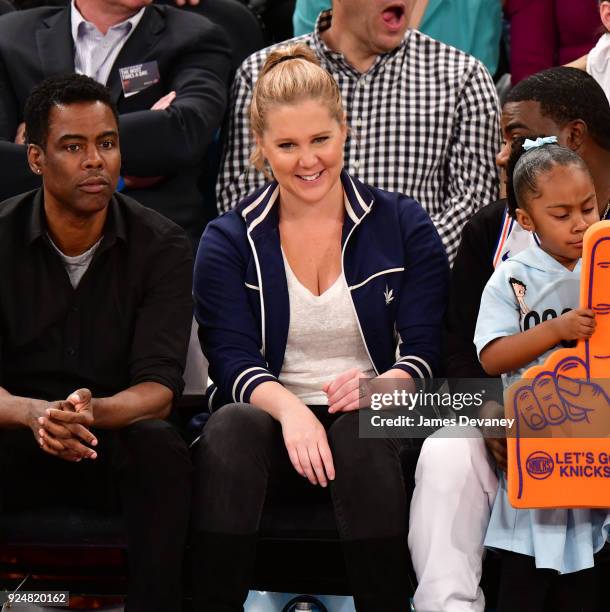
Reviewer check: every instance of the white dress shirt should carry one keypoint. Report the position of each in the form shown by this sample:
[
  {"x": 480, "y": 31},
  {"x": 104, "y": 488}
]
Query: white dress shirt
[{"x": 94, "y": 52}]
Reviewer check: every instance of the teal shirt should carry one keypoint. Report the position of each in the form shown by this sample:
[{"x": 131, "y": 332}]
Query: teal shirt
[
  {"x": 474, "y": 26},
  {"x": 305, "y": 14}
]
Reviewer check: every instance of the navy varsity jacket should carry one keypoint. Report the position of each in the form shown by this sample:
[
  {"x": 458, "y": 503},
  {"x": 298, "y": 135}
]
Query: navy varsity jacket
[{"x": 393, "y": 262}]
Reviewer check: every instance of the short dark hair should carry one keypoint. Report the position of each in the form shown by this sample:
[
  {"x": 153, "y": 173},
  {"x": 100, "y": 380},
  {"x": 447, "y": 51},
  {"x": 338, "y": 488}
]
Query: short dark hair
[
  {"x": 566, "y": 94},
  {"x": 515, "y": 281},
  {"x": 57, "y": 91},
  {"x": 525, "y": 167}
]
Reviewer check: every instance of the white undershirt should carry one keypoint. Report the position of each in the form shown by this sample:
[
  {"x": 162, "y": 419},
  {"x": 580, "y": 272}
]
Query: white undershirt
[
  {"x": 598, "y": 63},
  {"x": 94, "y": 52},
  {"x": 323, "y": 339},
  {"x": 76, "y": 265}
]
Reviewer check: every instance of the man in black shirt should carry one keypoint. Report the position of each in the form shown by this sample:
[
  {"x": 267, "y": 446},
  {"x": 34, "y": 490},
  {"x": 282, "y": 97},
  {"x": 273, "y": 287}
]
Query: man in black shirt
[{"x": 95, "y": 314}]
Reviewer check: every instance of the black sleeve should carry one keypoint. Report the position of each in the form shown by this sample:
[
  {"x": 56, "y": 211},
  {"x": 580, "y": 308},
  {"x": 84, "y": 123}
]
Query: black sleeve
[
  {"x": 163, "y": 321},
  {"x": 10, "y": 114},
  {"x": 472, "y": 269},
  {"x": 165, "y": 142}
]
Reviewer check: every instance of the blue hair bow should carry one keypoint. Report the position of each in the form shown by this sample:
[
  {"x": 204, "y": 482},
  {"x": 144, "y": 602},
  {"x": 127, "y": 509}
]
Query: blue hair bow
[{"x": 533, "y": 144}]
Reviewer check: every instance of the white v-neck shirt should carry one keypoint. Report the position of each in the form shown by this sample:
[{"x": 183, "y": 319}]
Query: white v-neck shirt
[{"x": 324, "y": 339}]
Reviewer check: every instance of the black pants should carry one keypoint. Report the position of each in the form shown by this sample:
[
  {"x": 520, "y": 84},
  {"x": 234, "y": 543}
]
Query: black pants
[
  {"x": 241, "y": 460},
  {"x": 523, "y": 588},
  {"x": 145, "y": 469}
]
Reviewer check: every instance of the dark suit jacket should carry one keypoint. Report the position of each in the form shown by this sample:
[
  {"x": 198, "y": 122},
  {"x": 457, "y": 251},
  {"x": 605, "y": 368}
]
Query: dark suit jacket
[{"x": 194, "y": 60}]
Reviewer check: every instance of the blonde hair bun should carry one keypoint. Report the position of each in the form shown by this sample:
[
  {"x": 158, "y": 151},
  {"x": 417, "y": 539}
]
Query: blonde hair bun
[
  {"x": 290, "y": 75},
  {"x": 297, "y": 51}
]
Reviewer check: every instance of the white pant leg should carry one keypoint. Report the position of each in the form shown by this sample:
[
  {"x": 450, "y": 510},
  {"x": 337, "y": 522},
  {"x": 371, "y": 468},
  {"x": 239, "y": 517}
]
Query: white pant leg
[{"x": 455, "y": 486}]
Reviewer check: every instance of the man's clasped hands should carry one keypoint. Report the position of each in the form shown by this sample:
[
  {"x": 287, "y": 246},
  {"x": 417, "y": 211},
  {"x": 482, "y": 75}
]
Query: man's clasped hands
[{"x": 62, "y": 428}]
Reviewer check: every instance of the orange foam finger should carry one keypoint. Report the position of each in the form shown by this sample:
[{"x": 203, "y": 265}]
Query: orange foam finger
[{"x": 559, "y": 446}]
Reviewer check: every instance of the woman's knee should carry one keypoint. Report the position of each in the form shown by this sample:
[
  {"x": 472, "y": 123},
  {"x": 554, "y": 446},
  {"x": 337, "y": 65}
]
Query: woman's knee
[
  {"x": 232, "y": 462},
  {"x": 350, "y": 449},
  {"x": 236, "y": 433}
]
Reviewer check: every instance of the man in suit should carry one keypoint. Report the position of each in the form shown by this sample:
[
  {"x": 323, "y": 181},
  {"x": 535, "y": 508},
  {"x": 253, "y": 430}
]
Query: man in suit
[{"x": 168, "y": 114}]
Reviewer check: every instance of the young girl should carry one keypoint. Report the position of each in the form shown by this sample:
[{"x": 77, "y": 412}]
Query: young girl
[{"x": 529, "y": 308}]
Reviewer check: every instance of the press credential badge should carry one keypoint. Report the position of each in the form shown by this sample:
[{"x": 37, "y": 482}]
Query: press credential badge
[{"x": 138, "y": 77}]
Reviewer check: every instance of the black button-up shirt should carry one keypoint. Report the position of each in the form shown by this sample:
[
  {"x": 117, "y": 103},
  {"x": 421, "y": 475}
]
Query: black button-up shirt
[{"x": 127, "y": 321}]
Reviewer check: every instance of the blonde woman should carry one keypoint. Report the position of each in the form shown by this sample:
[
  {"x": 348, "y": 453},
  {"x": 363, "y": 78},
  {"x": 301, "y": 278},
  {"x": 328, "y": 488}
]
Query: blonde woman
[{"x": 307, "y": 286}]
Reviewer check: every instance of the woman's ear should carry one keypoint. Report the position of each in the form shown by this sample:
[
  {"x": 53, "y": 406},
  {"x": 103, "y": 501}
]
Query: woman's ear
[
  {"x": 259, "y": 145},
  {"x": 524, "y": 220}
]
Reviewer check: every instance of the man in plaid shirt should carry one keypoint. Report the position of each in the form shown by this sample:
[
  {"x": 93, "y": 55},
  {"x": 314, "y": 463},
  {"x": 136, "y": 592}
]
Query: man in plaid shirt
[{"x": 423, "y": 116}]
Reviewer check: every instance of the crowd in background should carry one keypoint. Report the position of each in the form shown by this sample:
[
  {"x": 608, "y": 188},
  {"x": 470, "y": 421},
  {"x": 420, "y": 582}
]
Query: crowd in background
[
  {"x": 506, "y": 35},
  {"x": 413, "y": 121}
]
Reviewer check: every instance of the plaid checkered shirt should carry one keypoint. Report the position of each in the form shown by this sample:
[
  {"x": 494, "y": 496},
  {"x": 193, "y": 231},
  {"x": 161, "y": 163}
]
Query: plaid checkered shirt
[{"x": 424, "y": 121}]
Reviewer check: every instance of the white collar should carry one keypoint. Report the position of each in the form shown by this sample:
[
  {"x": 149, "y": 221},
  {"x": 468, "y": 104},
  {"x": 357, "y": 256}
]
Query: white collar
[{"x": 76, "y": 19}]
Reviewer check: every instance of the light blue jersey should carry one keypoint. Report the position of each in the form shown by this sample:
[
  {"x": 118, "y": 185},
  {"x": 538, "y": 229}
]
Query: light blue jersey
[{"x": 525, "y": 290}]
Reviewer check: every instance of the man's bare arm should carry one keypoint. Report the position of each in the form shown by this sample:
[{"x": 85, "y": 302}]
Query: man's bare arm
[
  {"x": 580, "y": 63},
  {"x": 61, "y": 440},
  {"x": 147, "y": 400},
  {"x": 18, "y": 412}
]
